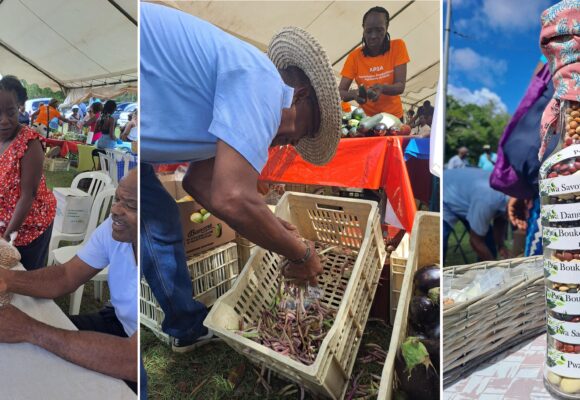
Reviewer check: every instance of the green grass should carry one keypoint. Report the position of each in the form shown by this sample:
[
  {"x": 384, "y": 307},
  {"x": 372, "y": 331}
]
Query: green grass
[
  {"x": 60, "y": 179},
  {"x": 454, "y": 256},
  {"x": 216, "y": 371}
]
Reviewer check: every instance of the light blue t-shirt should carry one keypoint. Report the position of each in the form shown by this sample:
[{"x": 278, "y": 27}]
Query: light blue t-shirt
[
  {"x": 102, "y": 250},
  {"x": 486, "y": 164},
  {"x": 467, "y": 195},
  {"x": 200, "y": 84}
]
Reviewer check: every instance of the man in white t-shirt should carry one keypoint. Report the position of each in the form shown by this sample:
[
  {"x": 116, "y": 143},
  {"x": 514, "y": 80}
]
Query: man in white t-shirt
[
  {"x": 106, "y": 341},
  {"x": 422, "y": 129}
]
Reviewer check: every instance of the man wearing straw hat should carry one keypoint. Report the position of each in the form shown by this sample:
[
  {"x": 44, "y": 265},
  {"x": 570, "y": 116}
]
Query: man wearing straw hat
[{"x": 219, "y": 103}]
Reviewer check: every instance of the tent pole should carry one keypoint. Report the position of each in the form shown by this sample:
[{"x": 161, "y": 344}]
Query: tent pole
[{"x": 446, "y": 64}]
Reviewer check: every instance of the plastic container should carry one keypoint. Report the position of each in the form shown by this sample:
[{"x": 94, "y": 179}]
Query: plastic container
[
  {"x": 352, "y": 224},
  {"x": 213, "y": 273},
  {"x": 560, "y": 213}
]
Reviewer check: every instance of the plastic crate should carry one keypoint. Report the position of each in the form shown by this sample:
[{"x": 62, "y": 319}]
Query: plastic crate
[
  {"x": 350, "y": 223},
  {"x": 424, "y": 250},
  {"x": 245, "y": 248},
  {"x": 213, "y": 273},
  {"x": 56, "y": 164},
  {"x": 398, "y": 263}
]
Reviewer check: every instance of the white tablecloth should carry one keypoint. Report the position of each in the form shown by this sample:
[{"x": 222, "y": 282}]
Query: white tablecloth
[
  {"x": 516, "y": 374},
  {"x": 29, "y": 372}
]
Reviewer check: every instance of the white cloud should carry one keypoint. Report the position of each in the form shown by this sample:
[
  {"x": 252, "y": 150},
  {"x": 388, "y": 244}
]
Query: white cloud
[
  {"x": 500, "y": 16},
  {"x": 479, "y": 97},
  {"x": 514, "y": 15},
  {"x": 476, "y": 67}
]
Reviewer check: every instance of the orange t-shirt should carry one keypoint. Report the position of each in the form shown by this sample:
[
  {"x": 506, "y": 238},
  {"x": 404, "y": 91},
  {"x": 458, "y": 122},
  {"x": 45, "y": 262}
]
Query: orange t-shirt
[
  {"x": 42, "y": 117},
  {"x": 369, "y": 71}
]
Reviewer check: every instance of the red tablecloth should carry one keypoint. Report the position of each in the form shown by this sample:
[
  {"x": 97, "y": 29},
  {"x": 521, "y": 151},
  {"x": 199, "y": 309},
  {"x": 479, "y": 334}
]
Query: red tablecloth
[
  {"x": 368, "y": 163},
  {"x": 66, "y": 146}
]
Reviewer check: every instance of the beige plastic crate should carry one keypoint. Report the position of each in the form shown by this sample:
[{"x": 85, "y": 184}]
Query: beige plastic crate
[
  {"x": 245, "y": 248},
  {"x": 424, "y": 250},
  {"x": 398, "y": 263},
  {"x": 350, "y": 223},
  {"x": 56, "y": 164},
  {"x": 213, "y": 273}
]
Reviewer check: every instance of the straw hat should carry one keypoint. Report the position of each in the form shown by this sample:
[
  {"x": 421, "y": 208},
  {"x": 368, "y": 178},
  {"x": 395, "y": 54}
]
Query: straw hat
[{"x": 295, "y": 47}]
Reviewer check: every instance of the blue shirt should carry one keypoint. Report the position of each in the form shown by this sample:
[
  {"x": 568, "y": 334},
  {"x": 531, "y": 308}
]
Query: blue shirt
[
  {"x": 457, "y": 162},
  {"x": 102, "y": 250},
  {"x": 200, "y": 84},
  {"x": 467, "y": 195},
  {"x": 486, "y": 164}
]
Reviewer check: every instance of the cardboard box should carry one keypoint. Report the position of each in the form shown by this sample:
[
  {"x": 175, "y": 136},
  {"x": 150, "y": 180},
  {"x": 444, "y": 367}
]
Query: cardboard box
[
  {"x": 198, "y": 237},
  {"x": 73, "y": 208}
]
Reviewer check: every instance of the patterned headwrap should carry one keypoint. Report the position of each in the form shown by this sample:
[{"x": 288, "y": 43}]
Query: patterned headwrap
[{"x": 560, "y": 43}]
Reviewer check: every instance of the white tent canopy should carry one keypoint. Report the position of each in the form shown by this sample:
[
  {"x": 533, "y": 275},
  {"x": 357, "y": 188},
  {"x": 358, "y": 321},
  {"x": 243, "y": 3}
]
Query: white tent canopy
[
  {"x": 338, "y": 27},
  {"x": 67, "y": 44}
]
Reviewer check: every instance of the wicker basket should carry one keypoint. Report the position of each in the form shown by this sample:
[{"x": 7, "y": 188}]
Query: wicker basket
[
  {"x": 478, "y": 329},
  {"x": 398, "y": 264},
  {"x": 424, "y": 250},
  {"x": 213, "y": 273},
  {"x": 350, "y": 223}
]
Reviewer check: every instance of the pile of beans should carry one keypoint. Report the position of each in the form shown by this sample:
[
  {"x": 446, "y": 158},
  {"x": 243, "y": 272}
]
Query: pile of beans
[
  {"x": 565, "y": 168},
  {"x": 572, "y": 125},
  {"x": 567, "y": 255}
]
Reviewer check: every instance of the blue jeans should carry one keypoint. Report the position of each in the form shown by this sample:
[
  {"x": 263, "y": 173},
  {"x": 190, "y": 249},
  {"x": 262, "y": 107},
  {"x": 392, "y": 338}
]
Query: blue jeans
[{"x": 163, "y": 262}]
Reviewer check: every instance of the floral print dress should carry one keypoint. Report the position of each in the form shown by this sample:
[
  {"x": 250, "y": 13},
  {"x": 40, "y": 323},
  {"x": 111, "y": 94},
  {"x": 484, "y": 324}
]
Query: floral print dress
[{"x": 42, "y": 211}]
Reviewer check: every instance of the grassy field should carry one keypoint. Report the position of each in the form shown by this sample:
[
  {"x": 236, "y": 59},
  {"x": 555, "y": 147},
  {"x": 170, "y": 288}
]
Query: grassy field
[
  {"x": 454, "y": 256},
  {"x": 217, "y": 372}
]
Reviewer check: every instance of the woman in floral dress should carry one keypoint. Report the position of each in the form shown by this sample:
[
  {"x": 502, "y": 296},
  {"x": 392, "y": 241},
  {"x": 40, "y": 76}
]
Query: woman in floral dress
[{"x": 26, "y": 205}]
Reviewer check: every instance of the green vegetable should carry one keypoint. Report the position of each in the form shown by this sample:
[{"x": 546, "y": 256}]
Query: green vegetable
[
  {"x": 353, "y": 123},
  {"x": 370, "y": 122},
  {"x": 358, "y": 113}
]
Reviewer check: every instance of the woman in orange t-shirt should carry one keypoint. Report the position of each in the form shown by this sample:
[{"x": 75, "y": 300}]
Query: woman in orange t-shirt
[{"x": 380, "y": 64}]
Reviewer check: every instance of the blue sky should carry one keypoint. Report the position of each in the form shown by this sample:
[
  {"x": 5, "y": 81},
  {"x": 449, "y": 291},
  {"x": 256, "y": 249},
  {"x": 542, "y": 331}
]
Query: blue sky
[{"x": 494, "y": 50}]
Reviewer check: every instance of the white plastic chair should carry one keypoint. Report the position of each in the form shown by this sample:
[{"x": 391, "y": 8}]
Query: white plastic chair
[
  {"x": 105, "y": 163},
  {"x": 99, "y": 181},
  {"x": 100, "y": 211}
]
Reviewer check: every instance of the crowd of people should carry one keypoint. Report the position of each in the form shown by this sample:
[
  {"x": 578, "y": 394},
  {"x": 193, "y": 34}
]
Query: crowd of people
[{"x": 96, "y": 121}]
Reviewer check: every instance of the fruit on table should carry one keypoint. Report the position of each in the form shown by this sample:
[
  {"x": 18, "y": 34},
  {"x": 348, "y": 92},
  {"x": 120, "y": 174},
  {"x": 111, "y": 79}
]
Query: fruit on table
[
  {"x": 358, "y": 113},
  {"x": 218, "y": 230},
  {"x": 353, "y": 123},
  {"x": 381, "y": 129}
]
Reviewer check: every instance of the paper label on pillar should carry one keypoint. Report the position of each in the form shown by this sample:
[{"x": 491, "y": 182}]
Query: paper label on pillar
[
  {"x": 562, "y": 302},
  {"x": 563, "y": 364},
  {"x": 564, "y": 154},
  {"x": 560, "y": 212},
  {"x": 561, "y": 238},
  {"x": 567, "y": 332},
  {"x": 561, "y": 271},
  {"x": 561, "y": 186}
]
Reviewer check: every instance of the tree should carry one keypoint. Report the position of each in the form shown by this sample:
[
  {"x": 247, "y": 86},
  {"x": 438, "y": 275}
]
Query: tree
[
  {"x": 34, "y": 91},
  {"x": 472, "y": 126}
]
